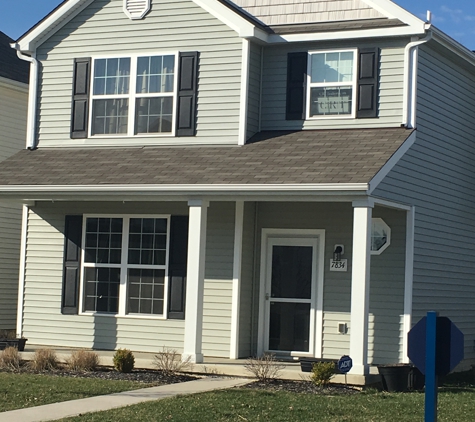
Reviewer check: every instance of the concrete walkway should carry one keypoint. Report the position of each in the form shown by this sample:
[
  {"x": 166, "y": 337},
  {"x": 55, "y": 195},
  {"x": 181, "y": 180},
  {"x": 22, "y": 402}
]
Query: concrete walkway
[{"x": 51, "y": 412}]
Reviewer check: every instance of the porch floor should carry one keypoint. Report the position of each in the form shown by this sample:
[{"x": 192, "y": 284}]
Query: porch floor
[{"x": 214, "y": 366}]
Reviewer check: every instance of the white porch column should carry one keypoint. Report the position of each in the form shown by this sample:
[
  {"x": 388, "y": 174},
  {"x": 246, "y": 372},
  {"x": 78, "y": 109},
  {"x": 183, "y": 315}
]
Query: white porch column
[
  {"x": 408, "y": 288},
  {"x": 195, "y": 280},
  {"x": 360, "y": 277},
  {"x": 236, "y": 300}
]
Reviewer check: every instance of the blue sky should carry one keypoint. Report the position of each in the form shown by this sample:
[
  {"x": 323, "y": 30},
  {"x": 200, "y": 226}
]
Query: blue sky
[{"x": 456, "y": 17}]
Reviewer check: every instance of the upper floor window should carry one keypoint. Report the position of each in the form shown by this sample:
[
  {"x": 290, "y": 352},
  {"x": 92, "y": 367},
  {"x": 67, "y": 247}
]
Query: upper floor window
[
  {"x": 136, "y": 95},
  {"x": 133, "y": 95},
  {"x": 331, "y": 84}
]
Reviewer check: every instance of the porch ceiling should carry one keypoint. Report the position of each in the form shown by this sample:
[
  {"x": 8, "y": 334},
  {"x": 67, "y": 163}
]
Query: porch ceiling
[{"x": 269, "y": 158}]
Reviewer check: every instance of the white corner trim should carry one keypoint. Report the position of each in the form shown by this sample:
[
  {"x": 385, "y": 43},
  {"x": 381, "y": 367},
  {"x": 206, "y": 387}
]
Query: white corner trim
[
  {"x": 408, "y": 284},
  {"x": 392, "y": 10},
  {"x": 21, "y": 278},
  {"x": 246, "y": 49},
  {"x": 384, "y": 171},
  {"x": 236, "y": 294}
]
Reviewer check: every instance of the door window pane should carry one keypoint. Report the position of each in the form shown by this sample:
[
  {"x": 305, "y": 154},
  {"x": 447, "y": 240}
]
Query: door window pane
[
  {"x": 291, "y": 272},
  {"x": 289, "y": 326}
]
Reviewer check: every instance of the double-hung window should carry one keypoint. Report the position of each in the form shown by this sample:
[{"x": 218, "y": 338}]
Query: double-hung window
[
  {"x": 331, "y": 85},
  {"x": 125, "y": 265},
  {"x": 133, "y": 95}
]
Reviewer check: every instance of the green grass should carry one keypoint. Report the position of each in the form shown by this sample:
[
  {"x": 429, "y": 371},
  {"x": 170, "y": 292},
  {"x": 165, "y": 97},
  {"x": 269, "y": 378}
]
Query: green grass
[
  {"x": 18, "y": 391},
  {"x": 240, "y": 405}
]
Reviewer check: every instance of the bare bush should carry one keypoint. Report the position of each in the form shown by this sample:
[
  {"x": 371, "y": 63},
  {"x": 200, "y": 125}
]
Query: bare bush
[
  {"x": 10, "y": 359},
  {"x": 44, "y": 360},
  {"x": 264, "y": 368},
  {"x": 83, "y": 360},
  {"x": 169, "y": 361}
]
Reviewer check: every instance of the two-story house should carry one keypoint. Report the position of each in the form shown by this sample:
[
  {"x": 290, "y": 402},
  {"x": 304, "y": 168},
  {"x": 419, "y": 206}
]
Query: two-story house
[
  {"x": 13, "y": 115},
  {"x": 231, "y": 178}
]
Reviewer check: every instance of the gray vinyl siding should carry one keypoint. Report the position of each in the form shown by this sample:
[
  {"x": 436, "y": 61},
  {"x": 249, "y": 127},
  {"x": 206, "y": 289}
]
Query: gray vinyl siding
[
  {"x": 217, "y": 306},
  {"x": 44, "y": 324},
  {"x": 13, "y": 115},
  {"x": 390, "y": 90},
  {"x": 386, "y": 308},
  {"x": 436, "y": 175},
  {"x": 103, "y": 29},
  {"x": 246, "y": 308},
  {"x": 254, "y": 90}
]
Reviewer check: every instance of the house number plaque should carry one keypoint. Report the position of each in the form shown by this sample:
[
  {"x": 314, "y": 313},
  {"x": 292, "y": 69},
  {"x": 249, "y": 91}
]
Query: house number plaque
[{"x": 341, "y": 265}]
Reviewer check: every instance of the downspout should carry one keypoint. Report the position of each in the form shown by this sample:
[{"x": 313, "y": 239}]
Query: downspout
[
  {"x": 410, "y": 82},
  {"x": 32, "y": 96}
]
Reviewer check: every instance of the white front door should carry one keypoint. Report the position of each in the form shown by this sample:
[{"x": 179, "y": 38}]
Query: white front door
[{"x": 290, "y": 295}]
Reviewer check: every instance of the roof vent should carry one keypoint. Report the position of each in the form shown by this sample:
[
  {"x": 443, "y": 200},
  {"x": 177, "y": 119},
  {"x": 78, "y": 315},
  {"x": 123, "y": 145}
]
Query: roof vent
[{"x": 136, "y": 9}]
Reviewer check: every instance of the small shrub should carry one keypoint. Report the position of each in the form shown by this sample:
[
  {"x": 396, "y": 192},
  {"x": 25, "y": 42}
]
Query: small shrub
[
  {"x": 322, "y": 373},
  {"x": 124, "y": 360},
  {"x": 10, "y": 359},
  {"x": 83, "y": 360},
  {"x": 44, "y": 360},
  {"x": 169, "y": 361},
  {"x": 265, "y": 368}
]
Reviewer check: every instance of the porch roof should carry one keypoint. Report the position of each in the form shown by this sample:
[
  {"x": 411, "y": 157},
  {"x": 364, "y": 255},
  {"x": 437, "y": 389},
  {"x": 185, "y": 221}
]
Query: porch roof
[{"x": 278, "y": 157}]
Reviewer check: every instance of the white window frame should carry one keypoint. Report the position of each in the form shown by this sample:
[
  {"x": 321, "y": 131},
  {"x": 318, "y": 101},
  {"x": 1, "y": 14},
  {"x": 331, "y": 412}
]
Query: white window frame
[
  {"x": 124, "y": 266},
  {"x": 133, "y": 95},
  {"x": 353, "y": 84},
  {"x": 388, "y": 237}
]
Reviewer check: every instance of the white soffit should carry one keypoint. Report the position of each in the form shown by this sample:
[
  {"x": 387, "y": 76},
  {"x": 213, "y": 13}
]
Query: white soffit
[
  {"x": 136, "y": 9},
  {"x": 393, "y": 11}
]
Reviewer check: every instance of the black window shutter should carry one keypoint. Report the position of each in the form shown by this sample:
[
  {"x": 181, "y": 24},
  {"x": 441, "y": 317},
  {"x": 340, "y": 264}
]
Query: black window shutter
[
  {"x": 80, "y": 101},
  {"x": 72, "y": 264},
  {"x": 368, "y": 75},
  {"x": 177, "y": 263},
  {"x": 296, "y": 86},
  {"x": 187, "y": 94}
]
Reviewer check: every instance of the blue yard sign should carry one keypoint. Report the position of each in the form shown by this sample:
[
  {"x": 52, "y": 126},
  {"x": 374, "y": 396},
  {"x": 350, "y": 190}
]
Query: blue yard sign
[
  {"x": 345, "y": 364},
  {"x": 435, "y": 346}
]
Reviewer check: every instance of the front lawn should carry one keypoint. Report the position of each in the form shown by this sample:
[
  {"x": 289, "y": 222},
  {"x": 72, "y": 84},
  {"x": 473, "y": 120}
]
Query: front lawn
[
  {"x": 240, "y": 405},
  {"x": 19, "y": 390}
]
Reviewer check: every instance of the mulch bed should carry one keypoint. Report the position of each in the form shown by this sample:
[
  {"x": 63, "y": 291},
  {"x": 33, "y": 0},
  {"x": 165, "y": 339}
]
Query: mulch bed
[
  {"x": 305, "y": 387},
  {"x": 145, "y": 376}
]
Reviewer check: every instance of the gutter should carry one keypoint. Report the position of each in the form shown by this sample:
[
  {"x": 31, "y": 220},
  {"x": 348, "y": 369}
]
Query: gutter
[
  {"x": 32, "y": 94},
  {"x": 410, "y": 81}
]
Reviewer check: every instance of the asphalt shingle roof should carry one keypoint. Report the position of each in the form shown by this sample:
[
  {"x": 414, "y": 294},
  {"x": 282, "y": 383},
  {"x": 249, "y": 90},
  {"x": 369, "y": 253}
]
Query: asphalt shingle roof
[
  {"x": 11, "y": 67},
  {"x": 301, "y": 157}
]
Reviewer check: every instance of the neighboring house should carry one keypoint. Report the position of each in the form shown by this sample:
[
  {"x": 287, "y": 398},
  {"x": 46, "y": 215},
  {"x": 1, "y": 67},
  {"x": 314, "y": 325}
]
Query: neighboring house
[
  {"x": 228, "y": 179},
  {"x": 13, "y": 115}
]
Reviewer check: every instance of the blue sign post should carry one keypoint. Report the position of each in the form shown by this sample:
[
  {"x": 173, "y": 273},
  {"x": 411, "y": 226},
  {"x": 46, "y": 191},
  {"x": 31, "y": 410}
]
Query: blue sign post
[{"x": 435, "y": 346}]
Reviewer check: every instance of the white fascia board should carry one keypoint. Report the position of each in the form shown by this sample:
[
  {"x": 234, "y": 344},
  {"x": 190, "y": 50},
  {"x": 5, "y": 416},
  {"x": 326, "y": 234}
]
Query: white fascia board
[
  {"x": 184, "y": 189},
  {"x": 58, "y": 19},
  {"x": 454, "y": 46},
  {"x": 243, "y": 27},
  {"x": 347, "y": 35},
  {"x": 393, "y": 11},
  {"x": 11, "y": 84},
  {"x": 384, "y": 171}
]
